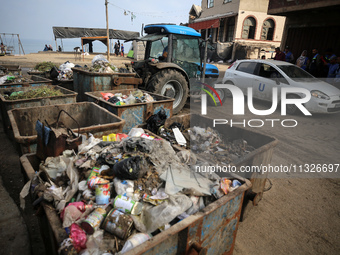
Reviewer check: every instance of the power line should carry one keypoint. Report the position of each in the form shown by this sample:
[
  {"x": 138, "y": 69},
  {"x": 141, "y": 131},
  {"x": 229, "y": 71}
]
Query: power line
[{"x": 149, "y": 14}]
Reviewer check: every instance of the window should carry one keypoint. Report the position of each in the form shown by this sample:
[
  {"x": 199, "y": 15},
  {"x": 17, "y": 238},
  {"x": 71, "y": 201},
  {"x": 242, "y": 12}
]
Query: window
[
  {"x": 249, "y": 28},
  {"x": 268, "y": 30},
  {"x": 210, "y": 3},
  {"x": 158, "y": 47},
  {"x": 221, "y": 29},
  {"x": 247, "y": 67},
  {"x": 230, "y": 29},
  {"x": 226, "y": 1},
  {"x": 269, "y": 72}
]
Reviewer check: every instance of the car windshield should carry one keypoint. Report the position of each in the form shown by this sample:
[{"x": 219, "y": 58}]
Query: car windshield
[{"x": 296, "y": 73}]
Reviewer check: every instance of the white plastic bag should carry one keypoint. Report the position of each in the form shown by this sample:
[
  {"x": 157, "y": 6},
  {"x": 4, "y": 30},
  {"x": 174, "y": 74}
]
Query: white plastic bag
[
  {"x": 157, "y": 216},
  {"x": 136, "y": 132},
  {"x": 99, "y": 58},
  {"x": 123, "y": 187}
]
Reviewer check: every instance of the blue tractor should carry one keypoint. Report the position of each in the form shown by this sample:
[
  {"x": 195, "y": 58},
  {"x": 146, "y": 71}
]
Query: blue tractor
[{"x": 173, "y": 59}]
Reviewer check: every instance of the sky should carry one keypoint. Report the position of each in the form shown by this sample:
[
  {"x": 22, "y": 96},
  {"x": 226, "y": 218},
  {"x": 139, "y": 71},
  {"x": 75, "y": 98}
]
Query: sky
[{"x": 34, "y": 19}]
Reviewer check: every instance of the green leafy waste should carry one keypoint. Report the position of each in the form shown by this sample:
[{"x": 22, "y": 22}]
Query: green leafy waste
[
  {"x": 43, "y": 91},
  {"x": 44, "y": 66}
]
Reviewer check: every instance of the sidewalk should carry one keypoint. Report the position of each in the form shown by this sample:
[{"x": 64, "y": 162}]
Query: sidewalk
[
  {"x": 19, "y": 230},
  {"x": 13, "y": 231}
]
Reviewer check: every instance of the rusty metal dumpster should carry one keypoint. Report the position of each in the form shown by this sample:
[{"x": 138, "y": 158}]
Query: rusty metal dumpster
[
  {"x": 68, "y": 97},
  {"x": 8, "y": 68},
  {"x": 211, "y": 231},
  {"x": 85, "y": 81},
  {"x": 36, "y": 81},
  {"x": 264, "y": 146},
  {"x": 90, "y": 117},
  {"x": 133, "y": 114}
]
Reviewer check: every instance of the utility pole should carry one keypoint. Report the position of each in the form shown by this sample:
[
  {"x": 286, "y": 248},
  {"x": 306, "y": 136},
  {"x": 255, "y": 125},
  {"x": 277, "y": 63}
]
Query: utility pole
[{"x": 107, "y": 32}]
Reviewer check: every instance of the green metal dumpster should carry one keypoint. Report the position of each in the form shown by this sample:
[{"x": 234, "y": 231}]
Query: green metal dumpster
[
  {"x": 85, "y": 81},
  {"x": 133, "y": 114},
  {"x": 35, "y": 81},
  {"x": 264, "y": 146},
  {"x": 90, "y": 117},
  {"x": 68, "y": 97},
  {"x": 210, "y": 231}
]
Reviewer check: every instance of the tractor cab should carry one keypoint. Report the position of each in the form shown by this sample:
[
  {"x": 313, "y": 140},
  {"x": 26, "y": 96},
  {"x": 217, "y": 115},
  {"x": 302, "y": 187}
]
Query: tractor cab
[{"x": 174, "y": 52}]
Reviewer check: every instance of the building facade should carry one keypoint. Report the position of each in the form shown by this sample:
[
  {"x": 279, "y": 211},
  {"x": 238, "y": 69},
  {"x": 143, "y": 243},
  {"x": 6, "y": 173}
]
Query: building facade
[{"x": 238, "y": 28}]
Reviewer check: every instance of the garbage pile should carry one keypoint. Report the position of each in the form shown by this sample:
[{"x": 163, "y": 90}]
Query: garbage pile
[
  {"x": 101, "y": 65},
  {"x": 135, "y": 97},
  {"x": 14, "y": 79},
  {"x": 203, "y": 143},
  {"x": 43, "y": 91},
  {"x": 65, "y": 71},
  {"x": 116, "y": 194},
  {"x": 43, "y": 67}
]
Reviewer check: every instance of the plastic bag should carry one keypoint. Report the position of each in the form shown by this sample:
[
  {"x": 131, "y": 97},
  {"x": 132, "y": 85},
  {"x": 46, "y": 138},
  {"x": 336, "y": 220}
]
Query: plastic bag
[
  {"x": 197, "y": 205},
  {"x": 136, "y": 132},
  {"x": 148, "y": 98},
  {"x": 113, "y": 100},
  {"x": 134, "y": 241},
  {"x": 225, "y": 185},
  {"x": 71, "y": 213},
  {"x": 130, "y": 100},
  {"x": 124, "y": 187},
  {"x": 156, "y": 121},
  {"x": 53, "y": 166},
  {"x": 107, "y": 96},
  {"x": 99, "y": 58},
  {"x": 138, "y": 144},
  {"x": 108, "y": 70},
  {"x": 130, "y": 168},
  {"x": 137, "y": 93},
  {"x": 78, "y": 236},
  {"x": 157, "y": 216}
]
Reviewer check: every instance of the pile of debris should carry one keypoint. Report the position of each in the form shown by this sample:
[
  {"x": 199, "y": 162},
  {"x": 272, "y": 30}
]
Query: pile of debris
[
  {"x": 112, "y": 196},
  {"x": 203, "y": 143},
  {"x": 65, "y": 72},
  {"x": 101, "y": 65},
  {"x": 135, "y": 97}
]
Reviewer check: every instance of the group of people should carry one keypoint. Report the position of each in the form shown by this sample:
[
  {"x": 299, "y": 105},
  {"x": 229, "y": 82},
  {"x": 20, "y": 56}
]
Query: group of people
[
  {"x": 49, "y": 47},
  {"x": 322, "y": 66},
  {"x": 118, "y": 47}
]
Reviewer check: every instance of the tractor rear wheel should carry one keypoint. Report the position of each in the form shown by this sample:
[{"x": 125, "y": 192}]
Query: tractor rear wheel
[{"x": 170, "y": 83}]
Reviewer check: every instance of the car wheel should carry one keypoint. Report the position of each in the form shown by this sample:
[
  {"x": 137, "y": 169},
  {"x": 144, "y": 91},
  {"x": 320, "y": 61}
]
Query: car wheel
[
  {"x": 228, "y": 93},
  {"x": 222, "y": 94},
  {"x": 292, "y": 109},
  {"x": 170, "y": 83}
]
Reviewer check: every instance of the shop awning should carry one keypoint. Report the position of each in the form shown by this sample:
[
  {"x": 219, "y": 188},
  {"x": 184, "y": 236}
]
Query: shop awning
[
  {"x": 77, "y": 32},
  {"x": 213, "y": 23}
]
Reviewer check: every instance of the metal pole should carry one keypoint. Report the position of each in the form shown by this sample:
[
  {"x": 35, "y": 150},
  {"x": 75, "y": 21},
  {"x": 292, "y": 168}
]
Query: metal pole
[
  {"x": 205, "y": 55},
  {"x": 107, "y": 32}
]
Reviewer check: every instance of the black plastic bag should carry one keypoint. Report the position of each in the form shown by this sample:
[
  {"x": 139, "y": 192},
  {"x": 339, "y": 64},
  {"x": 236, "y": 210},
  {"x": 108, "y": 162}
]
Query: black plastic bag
[
  {"x": 156, "y": 121},
  {"x": 113, "y": 100},
  {"x": 54, "y": 72},
  {"x": 130, "y": 168}
]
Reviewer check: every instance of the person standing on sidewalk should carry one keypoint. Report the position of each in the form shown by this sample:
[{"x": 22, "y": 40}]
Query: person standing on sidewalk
[
  {"x": 122, "y": 51},
  {"x": 279, "y": 55}
]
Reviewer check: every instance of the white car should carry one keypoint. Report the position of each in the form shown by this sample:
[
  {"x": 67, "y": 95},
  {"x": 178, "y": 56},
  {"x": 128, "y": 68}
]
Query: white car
[{"x": 263, "y": 75}]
